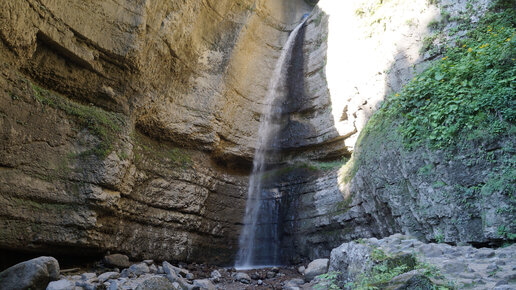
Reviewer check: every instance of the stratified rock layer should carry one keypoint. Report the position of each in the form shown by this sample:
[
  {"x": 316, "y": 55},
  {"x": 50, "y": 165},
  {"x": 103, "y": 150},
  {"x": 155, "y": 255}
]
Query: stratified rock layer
[{"x": 132, "y": 125}]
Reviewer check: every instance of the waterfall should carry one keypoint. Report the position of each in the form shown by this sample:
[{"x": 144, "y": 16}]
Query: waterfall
[{"x": 260, "y": 231}]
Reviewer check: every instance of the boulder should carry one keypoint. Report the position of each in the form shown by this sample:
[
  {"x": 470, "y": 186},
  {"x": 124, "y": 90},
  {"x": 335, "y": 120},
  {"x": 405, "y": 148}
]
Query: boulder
[
  {"x": 215, "y": 276},
  {"x": 316, "y": 268},
  {"x": 62, "y": 284},
  {"x": 117, "y": 260},
  {"x": 350, "y": 259},
  {"x": 153, "y": 269},
  {"x": 31, "y": 274},
  {"x": 169, "y": 271},
  {"x": 149, "y": 282},
  {"x": 88, "y": 276},
  {"x": 294, "y": 283},
  {"x": 242, "y": 277},
  {"x": 114, "y": 285},
  {"x": 204, "y": 284},
  {"x": 139, "y": 269},
  {"x": 86, "y": 285},
  {"x": 171, "y": 268},
  {"x": 411, "y": 280},
  {"x": 108, "y": 275}
]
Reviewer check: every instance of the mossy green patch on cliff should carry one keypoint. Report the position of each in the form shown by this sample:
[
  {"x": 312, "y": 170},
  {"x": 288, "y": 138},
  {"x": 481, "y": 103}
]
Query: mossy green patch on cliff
[
  {"x": 467, "y": 96},
  {"x": 160, "y": 151},
  {"x": 342, "y": 206},
  {"x": 377, "y": 134},
  {"x": 451, "y": 132},
  {"x": 311, "y": 165},
  {"x": 103, "y": 124},
  {"x": 42, "y": 206},
  {"x": 472, "y": 88}
]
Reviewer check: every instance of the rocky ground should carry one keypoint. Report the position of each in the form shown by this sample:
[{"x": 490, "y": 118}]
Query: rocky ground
[
  {"x": 442, "y": 265},
  {"x": 395, "y": 262},
  {"x": 117, "y": 272}
]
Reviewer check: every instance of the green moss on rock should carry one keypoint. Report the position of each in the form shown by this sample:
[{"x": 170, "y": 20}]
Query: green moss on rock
[{"x": 103, "y": 124}]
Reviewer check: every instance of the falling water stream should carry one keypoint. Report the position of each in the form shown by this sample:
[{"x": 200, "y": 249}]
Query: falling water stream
[{"x": 259, "y": 243}]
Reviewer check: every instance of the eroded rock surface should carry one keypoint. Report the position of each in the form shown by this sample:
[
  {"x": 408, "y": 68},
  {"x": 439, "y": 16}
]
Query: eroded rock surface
[{"x": 459, "y": 266}]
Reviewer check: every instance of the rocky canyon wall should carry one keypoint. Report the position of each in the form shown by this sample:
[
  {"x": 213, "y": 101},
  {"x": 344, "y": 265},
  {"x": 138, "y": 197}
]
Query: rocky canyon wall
[
  {"x": 131, "y": 126},
  {"x": 370, "y": 50}
]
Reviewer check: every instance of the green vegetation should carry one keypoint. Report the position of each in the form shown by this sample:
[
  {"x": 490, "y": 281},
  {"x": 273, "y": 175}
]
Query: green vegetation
[
  {"x": 462, "y": 103},
  {"x": 426, "y": 170},
  {"x": 326, "y": 165},
  {"x": 308, "y": 165},
  {"x": 432, "y": 2},
  {"x": 504, "y": 232},
  {"x": 105, "y": 125},
  {"x": 41, "y": 206},
  {"x": 472, "y": 88},
  {"x": 428, "y": 44},
  {"x": 159, "y": 151},
  {"x": 369, "y": 8},
  {"x": 328, "y": 281},
  {"x": 439, "y": 236},
  {"x": 386, "y": 267},
  {"x": 317, "y": 21}
]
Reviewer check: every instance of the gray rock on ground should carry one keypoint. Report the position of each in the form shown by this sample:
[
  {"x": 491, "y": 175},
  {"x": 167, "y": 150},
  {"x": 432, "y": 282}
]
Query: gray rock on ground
[
  {"x": 31, "y": 274},
  {"x": 215, "y": 276},
  {"x": 117, "y": 260},
  {"x": 293, "y": 284},
  {"x": 167, "y": 267},
  {"x": 62, "y": 284},
  {"x": 139, "y": 269},
  {"x": 316, "y": 268},
  {"x": 351, "y": 256},
  {"x": 204, "y": 284},
  {"x": 242, "y": 277},
  {"x": 88, "y": 276},
  {"x": 148, "y": 282},
  {"x": 108, "y": 275},
  {"x": 170, "y": 272},
  {"x": 153, "y": 269}
]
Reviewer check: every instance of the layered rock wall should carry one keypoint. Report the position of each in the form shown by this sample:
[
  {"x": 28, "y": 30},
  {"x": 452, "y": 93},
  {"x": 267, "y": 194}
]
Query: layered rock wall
[{"x": 130, "y": 126}]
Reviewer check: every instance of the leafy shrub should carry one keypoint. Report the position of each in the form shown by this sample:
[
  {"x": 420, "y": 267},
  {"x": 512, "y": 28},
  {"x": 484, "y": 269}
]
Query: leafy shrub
[
  {"x": 473, "y": 87},
  {"x": 328, "y": 281}
]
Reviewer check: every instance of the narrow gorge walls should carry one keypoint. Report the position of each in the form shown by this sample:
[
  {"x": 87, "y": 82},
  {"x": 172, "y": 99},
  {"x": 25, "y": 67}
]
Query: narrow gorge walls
[{"x": 131, "y": 126}]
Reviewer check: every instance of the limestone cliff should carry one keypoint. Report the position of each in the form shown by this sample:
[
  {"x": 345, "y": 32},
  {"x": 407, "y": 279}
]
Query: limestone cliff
[{"x": 130, "y": 126}]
